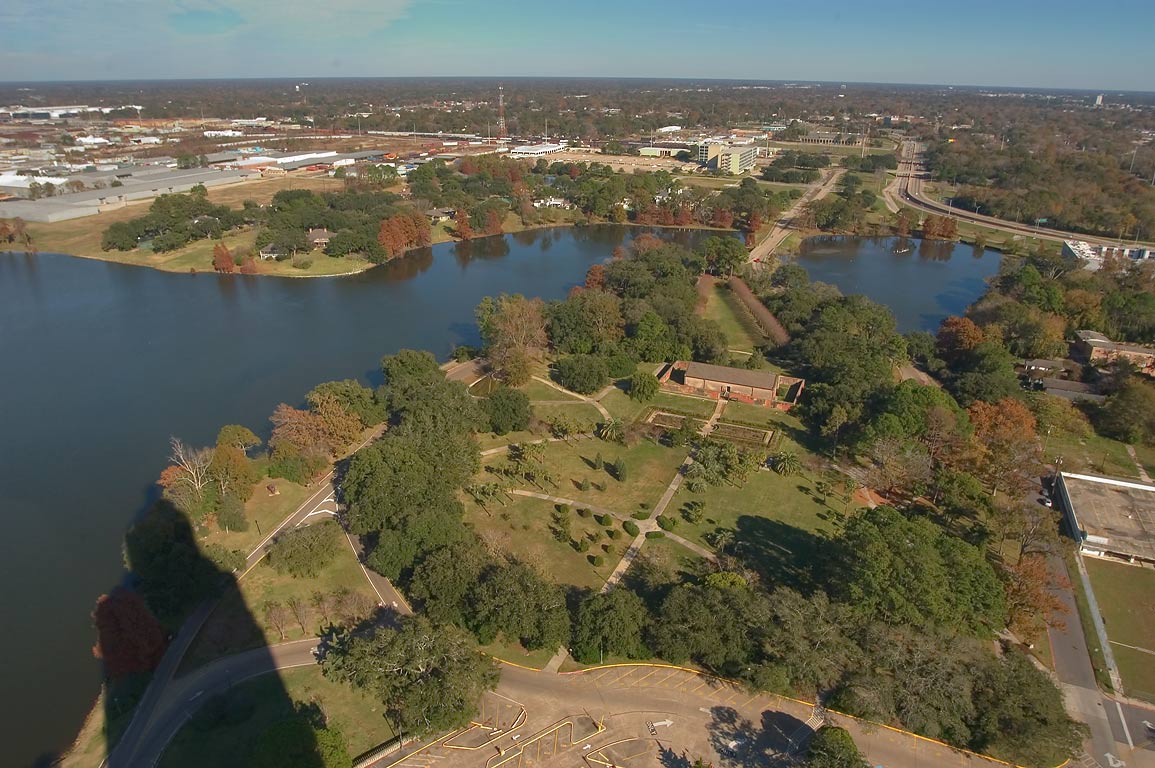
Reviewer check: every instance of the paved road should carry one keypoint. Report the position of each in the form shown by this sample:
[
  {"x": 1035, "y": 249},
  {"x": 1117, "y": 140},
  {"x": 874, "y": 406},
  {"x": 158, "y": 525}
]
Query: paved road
[
  {"x": 785, "y": 224},
  {"x": 910, "y": 190}
]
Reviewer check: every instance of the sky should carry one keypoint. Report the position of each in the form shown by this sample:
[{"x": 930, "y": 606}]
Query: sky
[{"x": 1042, "y": 43}]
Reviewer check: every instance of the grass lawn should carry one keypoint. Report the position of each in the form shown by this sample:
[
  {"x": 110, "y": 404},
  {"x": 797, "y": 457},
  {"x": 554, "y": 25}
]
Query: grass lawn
[
  {"x": 524, "y": 527},
  {"x": 650, "y": 468},
  {"x": 702, "y": 407},
  {"x": 537, "y": 390},
  {"x": 489, "y": 440},
  {"x": 741, "y": 332},
  {"x": 238, "y": 622},
  {"x": 1146, "y": 456},
  {"x": 621, "y": 407},
  {"x": 1126, "y": 597},
  {"x": 264, "y": 512},
  {"x": 1084, "y": 619},
  {"x": 780, "y": 524},
  {"x": 1094, "y": 453},
  {"x": 584, "y": 414},
  {"x": 269, "y": 699},
  {"x": 1138, "y": 672},
  {"x": 514, "y": 652}
]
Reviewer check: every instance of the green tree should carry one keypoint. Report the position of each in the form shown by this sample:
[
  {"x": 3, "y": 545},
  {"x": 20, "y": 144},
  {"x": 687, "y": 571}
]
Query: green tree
[
  {"x": 584, "y": 374},
  {"x": 724, "y": 254},
  {"x": 303, "y": 552},
  {"x": 508, "y": 410},
  {"x": 612, "y": 623},
  {"x": 643, "y": 386},
  {"x": 833, "y": 747},
  {"x": 513, "y": 600},
  {"x": 1129, "y": 414},
  {"x": 429, "y": 678},
  {"x": 611, "y": 431}
]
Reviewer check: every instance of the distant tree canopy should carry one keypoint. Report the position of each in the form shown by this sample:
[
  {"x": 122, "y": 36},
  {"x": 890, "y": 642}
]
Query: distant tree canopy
[{"x": 172, "y": 221}]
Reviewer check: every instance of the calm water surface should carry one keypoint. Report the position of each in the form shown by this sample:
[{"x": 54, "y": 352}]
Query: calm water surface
[
  {"x": 922, "y": 281},
  {"x": 100, "y": 363}
]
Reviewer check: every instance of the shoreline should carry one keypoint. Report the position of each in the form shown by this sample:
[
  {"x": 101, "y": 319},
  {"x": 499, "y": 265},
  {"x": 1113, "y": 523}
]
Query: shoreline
[{"x": 367, "y": 266}]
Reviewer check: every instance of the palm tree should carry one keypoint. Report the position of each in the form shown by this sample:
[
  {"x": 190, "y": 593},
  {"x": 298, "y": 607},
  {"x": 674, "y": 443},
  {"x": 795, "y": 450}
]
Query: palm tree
[
  {"x": 787, "y": 464},
  {"x": 722, "y": 539},
  {"x": 611, "y": 431}
]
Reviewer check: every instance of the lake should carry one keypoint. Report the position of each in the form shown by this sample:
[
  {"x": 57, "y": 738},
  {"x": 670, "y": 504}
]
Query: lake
[
  {"x": 100, "y": 363},
  {"x": 922, "y": 281}
]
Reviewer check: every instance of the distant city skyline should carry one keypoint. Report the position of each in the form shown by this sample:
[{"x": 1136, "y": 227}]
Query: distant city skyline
[{"x": 1005, "y": 43}]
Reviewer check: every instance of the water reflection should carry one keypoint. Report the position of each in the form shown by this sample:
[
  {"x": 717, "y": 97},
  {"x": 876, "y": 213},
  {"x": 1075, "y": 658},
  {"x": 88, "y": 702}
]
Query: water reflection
[{"x": 922, "y": 281}]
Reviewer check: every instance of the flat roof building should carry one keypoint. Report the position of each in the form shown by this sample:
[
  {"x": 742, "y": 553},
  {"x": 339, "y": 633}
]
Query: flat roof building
[
  {"x": 1098, "y": 349},
  {"x": 1109, "y": 517},
  {"x": 535, "y": 150},
  {"x": 727, "y": 157}
]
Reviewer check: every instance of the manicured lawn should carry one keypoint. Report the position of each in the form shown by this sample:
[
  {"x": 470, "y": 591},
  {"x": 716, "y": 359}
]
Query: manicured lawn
[
  {"x": 583, "y": 414},
  {"x": 267, "y": 700},
  {"x": 650, "y": 468},
  {"x": 536, "y": 390},
  {"x": 621, "y": 407},
  {"x": 264, "y": 512},
  {"x": 524, "y": 528},
  {"x": 687, "y": 405},
  {"x": 739, "y": 328},
  {"x": 489, "y": 440},
  {"x": 780, "y": 526},
  {"x": 1098, "y": 662},
  {"x": 1126, "y": 594},
  {"x": 1138, "y": 672},
  {"x": 238, "y": 623}
]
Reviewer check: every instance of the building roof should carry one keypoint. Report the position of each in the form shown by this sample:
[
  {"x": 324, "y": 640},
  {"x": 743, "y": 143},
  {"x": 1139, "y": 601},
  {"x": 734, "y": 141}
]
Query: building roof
[
  {"x": 1099, "y": 341},
  {"x": 319, "y": 234},
  {"x": 727, "y": 375},
  {"x": 1068, "y": 386},
  {"x": 1117, "y": 516}
]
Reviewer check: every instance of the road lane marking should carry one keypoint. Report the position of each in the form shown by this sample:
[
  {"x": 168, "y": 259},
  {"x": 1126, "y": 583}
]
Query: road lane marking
[{"x": 1126, "y": 730}]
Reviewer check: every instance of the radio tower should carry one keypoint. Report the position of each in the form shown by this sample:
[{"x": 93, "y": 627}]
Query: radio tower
[{"x": 501, "y": 111}]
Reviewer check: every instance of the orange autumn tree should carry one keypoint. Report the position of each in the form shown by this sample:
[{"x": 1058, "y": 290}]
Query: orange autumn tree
[
  {"x": 1031, "y": 603},
  {"x": 223, "y": 259},
  {"x": 1005, "y": 445}
]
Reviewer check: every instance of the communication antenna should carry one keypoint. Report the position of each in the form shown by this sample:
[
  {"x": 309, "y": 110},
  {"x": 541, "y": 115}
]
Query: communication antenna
[{"x": 501, "y": 111}]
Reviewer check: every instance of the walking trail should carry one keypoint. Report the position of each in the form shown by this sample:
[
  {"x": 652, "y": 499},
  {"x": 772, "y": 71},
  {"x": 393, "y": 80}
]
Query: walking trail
[
  {"x": 601, "y": 408},
  {"x": 644, "y": 526}
]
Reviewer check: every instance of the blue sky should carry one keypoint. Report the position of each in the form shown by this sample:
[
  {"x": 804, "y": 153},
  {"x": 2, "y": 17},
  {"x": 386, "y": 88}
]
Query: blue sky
[{"x": 1061, "y": 43}]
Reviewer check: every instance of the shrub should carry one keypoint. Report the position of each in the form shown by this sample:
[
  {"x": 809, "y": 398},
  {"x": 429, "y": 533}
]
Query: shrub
[
  {"x": 303, "y": 552},
  {"x": 584, "y": 485},
  {"x": 582, "y": 511},
  {"x": 643, "y": 386},
  {"x": 604, "y": 519},
  {"x": 655, "y": 534},
  {"x": 643, "y": 515},
  {"x": 667, "y": 523},
  {"x": 582, "y": 545},
  {"x": 302, "y": 262},
  {"x": 599, "y": 462},
  {"x": 631, "y": 527},
  {"x": 597, "y": 560},
  {"x": 613, "y": 533}
]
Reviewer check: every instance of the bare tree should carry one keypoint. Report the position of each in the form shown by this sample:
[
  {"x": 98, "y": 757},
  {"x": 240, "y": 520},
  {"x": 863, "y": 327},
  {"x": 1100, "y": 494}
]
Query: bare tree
[
  {"x": 194, "y": 463},
  {"x": 323, "y": 604},
  {"x": 277, "y": 616},
  {"x": 300, "y": 612}
]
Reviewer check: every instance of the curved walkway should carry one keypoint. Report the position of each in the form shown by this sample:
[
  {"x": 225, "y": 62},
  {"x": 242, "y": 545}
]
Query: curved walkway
[{"x": 601, "y": 408}]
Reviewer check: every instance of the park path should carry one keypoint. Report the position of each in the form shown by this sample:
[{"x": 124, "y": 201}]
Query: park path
[
  {"x": 1138, "y": 464},
  {"x": 506, "y": 447},
  {"x": 601, "y": 408}
]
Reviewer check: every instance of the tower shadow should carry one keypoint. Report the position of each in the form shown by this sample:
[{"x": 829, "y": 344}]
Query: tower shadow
[{"x": 156, "y": 696}]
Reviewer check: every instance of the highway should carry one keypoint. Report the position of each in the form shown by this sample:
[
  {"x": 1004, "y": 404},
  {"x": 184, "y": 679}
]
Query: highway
[{"x": 910, "y": 175}]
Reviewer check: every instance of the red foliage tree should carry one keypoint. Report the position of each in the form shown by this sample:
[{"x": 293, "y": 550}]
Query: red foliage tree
[
  {"x": 493, "y": 222},
  {"x": 756, "y": 221},
  {"x": 464, "y": 228},
  {"x": 646, "y": 242},
  {"x": 129, "y": 638},
  {"x": 723, "y": 218},
  {"x": 574, "y": 171},
  {"x": 596, "y": 277},
  {"x": 956, "y": 336},
  {"x": 468, "y": 166},
  {"x": 684, "y": 216},
  {"x": 249, "y": 266},
  {"x": 620, "y": 253},
  {"x": 223, "y": 259}
]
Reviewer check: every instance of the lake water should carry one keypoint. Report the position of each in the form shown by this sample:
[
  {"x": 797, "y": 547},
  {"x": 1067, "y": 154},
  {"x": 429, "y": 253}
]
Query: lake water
[
  {"x": 922, "y": 281},
  {"x": 100, "y": 363}
]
